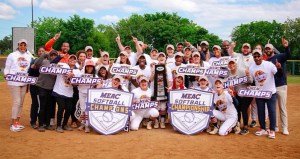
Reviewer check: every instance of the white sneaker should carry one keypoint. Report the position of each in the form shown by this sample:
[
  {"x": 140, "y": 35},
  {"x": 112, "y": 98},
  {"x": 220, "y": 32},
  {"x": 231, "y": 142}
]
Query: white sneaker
[
  {"x": 156, "y": 124},
  {"x": 261, "y": 132},
  {"x": 237, "y": 128},
  {"x": 285, "y": 131},
  {"x": 276, "y": 129},
  {"x": 20, "y": 126},
  {"x": 214, "y": 132},
  {"x": 271, "y": 135},
  {"x": 149, "y": 125},
  {"x": 14, "y": 128},
  {"x": 162, "y": 125}
]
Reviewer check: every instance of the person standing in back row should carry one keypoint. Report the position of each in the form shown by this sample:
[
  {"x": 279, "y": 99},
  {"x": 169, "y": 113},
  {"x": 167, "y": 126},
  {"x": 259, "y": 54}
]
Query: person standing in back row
[{"x": 280, "y": 80}]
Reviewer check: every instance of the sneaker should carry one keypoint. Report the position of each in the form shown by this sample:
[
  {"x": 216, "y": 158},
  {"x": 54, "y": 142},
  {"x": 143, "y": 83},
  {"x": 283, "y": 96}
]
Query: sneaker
[
  {"x": 59, "y": 129},
  {"x": 144, "y": 122},
  {"x": 156, "y": 124},
  {"x": 276, "y": 129},
  {"x": 215, "y": 131},
  {"x": 87, "y": 129},
  {"x": 285, "y": 131},
  {"x": 20, "y": 126},
  {"x": 67, "y": 128},
  {"x": 74, "y": 125},
  {"x": 41, "y": 129},
  {"x": 253, "y": 124},
  {"x": 50, "y": 127},
  {"x": 271, "y": 135},
  {"x": 14, "y": 128},
  {"x": 245, "y": 131},
  {"x": 261, "y": 132},
  {"x": 33, "y": 126},
  {"x": 162, "y": 125},
  {"x": 149, "y": 125},
  {"x": 237, "y": 128}
]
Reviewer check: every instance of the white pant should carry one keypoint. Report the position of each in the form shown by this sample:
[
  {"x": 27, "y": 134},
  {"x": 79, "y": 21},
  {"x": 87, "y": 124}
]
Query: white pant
[
  {"x": 18, "y": 94},
  {"x": 281, "y": 94},
  {"x": 82, "y": 100},
  {"x": 229, "y": 122},
  {"x": 138, "y": 115}
]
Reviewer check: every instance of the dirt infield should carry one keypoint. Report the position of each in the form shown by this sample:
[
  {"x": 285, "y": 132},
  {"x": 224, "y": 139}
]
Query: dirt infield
[{"x": 144, "y": 143}]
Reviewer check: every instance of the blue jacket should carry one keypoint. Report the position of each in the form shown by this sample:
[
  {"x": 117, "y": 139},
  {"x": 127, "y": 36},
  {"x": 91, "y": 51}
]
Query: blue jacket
[{"x": 280, "y": 76}]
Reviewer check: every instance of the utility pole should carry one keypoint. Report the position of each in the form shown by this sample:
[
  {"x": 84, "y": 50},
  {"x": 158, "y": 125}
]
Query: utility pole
[{"x": 31, "y": 13}]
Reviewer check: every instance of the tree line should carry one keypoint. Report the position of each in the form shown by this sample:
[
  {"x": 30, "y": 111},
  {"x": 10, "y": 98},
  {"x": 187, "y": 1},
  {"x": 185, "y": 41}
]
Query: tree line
[{"x": 157, "y": 30}]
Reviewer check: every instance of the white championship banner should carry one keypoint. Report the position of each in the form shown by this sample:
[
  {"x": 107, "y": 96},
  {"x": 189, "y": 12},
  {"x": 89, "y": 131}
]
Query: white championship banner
[
  {"x": 86, "y": 79},
  {"x": 195, "y": 70},
  {"x": 54, "y": 70},
  {"x": 124, "y": 69},
  {"x": 22, "y": 78},
  {"x": 108, "y": 109},
  {"x": 190, "y": 110},
  {"x": 256, "y": 92}
]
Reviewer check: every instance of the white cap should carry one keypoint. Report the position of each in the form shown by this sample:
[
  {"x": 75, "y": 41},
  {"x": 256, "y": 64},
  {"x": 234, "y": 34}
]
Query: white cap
[
  {"x": 257, "y": 51},
  {"x": 154, "y": 50},
  {"x": 204, "y": 42},
  {"x": 187, "y": 48},
  {"x": 118, "y": 77},
  {"x": 270, "y": 46},
  {"x": 141, "y": 56},
  {"x": 124, "y": 53},
  {"x": 232, "y": 60},
  {"x": 143, "y": 78},
  {"x": 170, "y": 46},
  {"x": 179, "y": 54},
  {"x": 88, "y": 48},
  {"x": 195, "y": 53},
  {"x": 22, "y": 41},
  {"x": 202, "y": 77},
  {"x": 246, "y": 44},
  {"x": 104, "y": 53},
  {"x": 216, "y": 46},
  {"x": 161, "y": 53},
  {"x": 220, "y": 80},
  {"x": 180, "y": 75}
]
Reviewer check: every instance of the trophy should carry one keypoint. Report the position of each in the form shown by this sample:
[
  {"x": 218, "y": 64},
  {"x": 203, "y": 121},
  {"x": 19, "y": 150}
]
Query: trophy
[{"x": 160, "y": 83}]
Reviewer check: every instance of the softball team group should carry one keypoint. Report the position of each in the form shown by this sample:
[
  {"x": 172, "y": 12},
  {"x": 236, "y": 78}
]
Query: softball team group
[{"x": 262, "y": 67}]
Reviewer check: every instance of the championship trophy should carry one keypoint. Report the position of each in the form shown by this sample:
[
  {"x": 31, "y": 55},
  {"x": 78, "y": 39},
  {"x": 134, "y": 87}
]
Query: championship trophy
[{"x": 160, "y": 84}]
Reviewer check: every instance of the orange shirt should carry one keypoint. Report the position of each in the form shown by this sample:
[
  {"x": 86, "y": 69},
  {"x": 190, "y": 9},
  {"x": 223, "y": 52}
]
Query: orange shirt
[{"x": 48, "y": 47}]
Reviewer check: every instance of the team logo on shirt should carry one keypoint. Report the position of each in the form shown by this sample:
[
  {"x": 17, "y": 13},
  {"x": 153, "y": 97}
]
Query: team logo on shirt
[
  {"x": 23, "y": 63},
  {"x": 190, "y": 110},
  {"x": 260, "y": 77},
  {"x": 221, "y": 105}
]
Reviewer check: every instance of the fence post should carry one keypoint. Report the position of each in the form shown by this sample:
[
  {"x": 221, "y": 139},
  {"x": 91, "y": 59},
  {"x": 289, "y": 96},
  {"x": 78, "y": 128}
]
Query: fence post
[{"x": 293, "y": 68}]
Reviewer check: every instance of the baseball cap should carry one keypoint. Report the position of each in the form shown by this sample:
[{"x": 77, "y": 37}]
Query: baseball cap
[
  {"x": 161, "y": 53},
  {"x": 216, "y": 46},
  {"x": 124, "y": 53},
  {"x": 88, "y": 48},
  {"x": 154, "y": 50},
  {"x": 187, "y": 48},
  {"x": 89, "y": 63},
  {"x": 127, "y": 47},
  {"x": 202, "y": 77},
  {"x": 53, "y": 52},
  {"x": 143, "y": 78},
  {"x": 104, "y": 53},
  {"x": 179, "y": 54},
  {"x": 170, "y": 46},
  {"x": 219, "y": 80},
  {"x": 195, "y": 53},
  {"x": 140, "y": 43},
  {"x": 118, "y": 77},
  {"x": 141, "y": 56},
  {"x": 232, "y": 60},
  {"x": 204, "y": 42},
  {"x": 269, "y": 46},
  {"x": 180, "y": 75},
  {"x": 180, "y": 43},
  {"x": 22, "y": 41},
  {"x": 257, "y": 51},
  {"x": 246, "y": 44},
  {"x": 72, "y": 56}
]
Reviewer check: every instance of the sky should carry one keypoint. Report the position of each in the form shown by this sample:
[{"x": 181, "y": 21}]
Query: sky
[{"x": 217, "y": 16}]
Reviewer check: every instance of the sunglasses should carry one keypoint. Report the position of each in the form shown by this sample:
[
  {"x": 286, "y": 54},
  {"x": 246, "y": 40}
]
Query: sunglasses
[{"x": 256, "y": 57}]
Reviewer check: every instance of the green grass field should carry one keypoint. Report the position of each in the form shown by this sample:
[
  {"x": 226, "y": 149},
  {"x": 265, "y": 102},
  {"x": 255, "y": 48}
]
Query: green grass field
[{"x": 291, "y": 79}]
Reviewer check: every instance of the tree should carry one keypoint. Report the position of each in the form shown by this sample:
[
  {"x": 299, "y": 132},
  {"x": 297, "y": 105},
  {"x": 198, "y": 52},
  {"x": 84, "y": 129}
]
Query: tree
[
  {"x": 161, "y": 29},
  {"x": 258, "y": 32},
  {"x": 6, "y": 45},
  {"x": 292, "y": 33}
]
